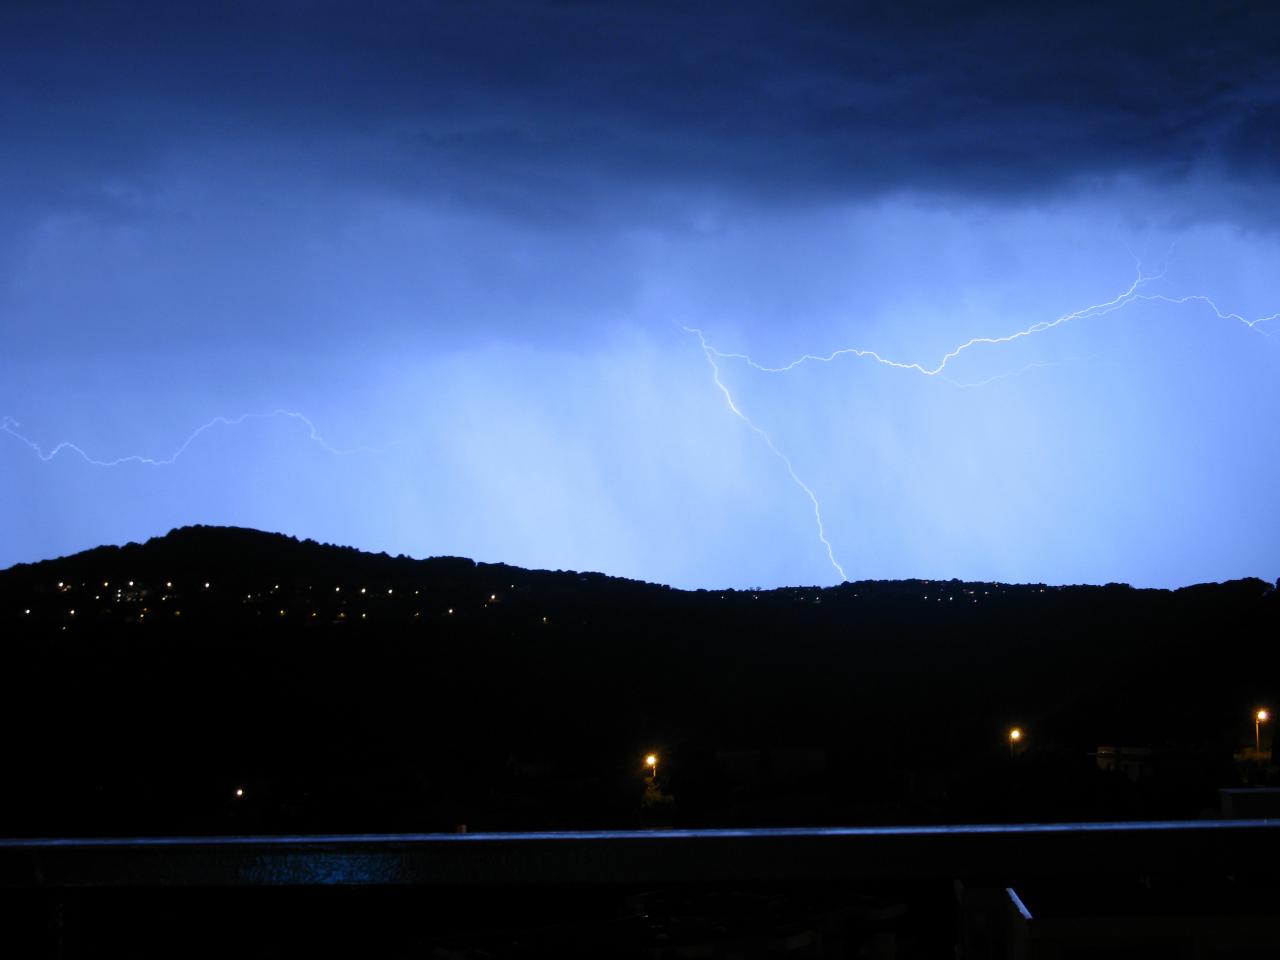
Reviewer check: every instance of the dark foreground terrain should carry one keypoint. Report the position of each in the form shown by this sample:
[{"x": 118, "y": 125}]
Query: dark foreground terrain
[{"x": 223, "y": 680}]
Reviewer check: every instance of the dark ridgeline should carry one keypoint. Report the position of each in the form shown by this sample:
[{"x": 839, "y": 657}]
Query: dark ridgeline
[{"x": 452, "y": 692}]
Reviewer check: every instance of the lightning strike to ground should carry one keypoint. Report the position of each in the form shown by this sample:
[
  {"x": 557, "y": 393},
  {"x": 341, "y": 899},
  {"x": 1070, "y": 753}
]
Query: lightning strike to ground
[
  {"x": 1132, "y": 294},
  {"x": 795, "y": 477}
]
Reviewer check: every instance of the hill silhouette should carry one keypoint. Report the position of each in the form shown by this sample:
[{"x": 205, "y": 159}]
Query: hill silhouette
[{"x": 345, "y": 690}]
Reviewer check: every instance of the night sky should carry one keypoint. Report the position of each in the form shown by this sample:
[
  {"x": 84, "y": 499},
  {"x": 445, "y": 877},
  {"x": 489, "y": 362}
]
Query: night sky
[{"x": 527, "y": 282}]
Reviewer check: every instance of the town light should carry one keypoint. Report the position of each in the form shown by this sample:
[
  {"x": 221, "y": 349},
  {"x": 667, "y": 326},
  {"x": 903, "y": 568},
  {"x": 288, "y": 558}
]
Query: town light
[
  {"x": 1260, "y": 717},
  {"x": 1015, "y": 737},
  {"x": 651, "y": 761}
]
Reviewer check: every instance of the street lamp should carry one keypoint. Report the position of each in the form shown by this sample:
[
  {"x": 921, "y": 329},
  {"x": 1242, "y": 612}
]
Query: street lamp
[
  {"x": 1259, "y": 717},
  {"x": 651, "y": 761},
  {"x": 1015, "y": 737}
]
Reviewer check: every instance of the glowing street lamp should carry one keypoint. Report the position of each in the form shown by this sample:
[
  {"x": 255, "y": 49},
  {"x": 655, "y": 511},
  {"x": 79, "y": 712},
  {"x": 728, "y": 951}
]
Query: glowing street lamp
[
  {"x": 1015, "y": 737},
  {"x": 1259, "y": 718},
  {"x": 651, "y": 761}
]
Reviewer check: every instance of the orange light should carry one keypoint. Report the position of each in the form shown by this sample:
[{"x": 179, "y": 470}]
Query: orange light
[
  {"x": 1015, "y": 734},
  {"x": 1262, "y": 716}
]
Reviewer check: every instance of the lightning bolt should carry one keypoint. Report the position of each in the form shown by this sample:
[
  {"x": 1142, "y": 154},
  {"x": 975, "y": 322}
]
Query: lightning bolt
[
  {"x": 12, "y": 427},
  {"x": 1010, "y": 374},
  {"x": 1132, "y": 294},
  {"x": 711, "y": 354},
  {"x": 1118, "y": 302}
]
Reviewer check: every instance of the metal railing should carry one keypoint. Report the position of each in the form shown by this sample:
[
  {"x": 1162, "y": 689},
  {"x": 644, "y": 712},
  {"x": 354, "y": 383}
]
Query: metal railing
[{"x": 997, "y": 853}]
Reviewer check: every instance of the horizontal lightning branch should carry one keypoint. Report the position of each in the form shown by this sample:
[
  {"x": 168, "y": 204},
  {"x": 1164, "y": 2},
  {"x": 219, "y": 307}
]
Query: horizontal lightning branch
[
  {"x": 1131, "y": 295},
  {"x": 12, "y": 427}
]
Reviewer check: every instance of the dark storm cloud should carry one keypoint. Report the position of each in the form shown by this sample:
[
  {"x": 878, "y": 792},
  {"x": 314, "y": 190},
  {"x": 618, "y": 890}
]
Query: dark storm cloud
[{"x": 528, "y": 106}]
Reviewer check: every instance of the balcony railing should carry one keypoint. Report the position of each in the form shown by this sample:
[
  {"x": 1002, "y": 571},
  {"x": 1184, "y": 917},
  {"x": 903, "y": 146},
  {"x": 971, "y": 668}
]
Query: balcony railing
[
  {"x": 988, "y": 856},
  {"x": 988, "y": 851}
]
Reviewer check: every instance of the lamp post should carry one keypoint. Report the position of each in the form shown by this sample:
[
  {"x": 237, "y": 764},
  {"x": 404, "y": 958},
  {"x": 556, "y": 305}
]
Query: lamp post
[
  {"x": 1259, "y": 718},
  {"x": 1015, "y": 737},
  {"x": 651, "y": 761}
]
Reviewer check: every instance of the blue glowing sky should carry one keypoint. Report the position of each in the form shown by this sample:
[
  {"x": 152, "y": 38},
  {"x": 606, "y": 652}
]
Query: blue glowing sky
[{"x": 424, "y": 281}]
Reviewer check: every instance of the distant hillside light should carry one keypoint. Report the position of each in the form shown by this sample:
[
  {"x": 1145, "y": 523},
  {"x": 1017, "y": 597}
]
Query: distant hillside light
[
  {"x": 1260, "y": 717},
  {"x": 651, "y": 761},
  {"x": 239, "y": 791}
]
